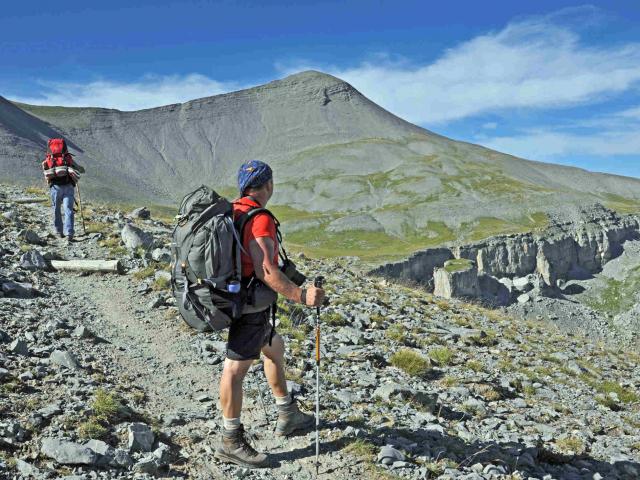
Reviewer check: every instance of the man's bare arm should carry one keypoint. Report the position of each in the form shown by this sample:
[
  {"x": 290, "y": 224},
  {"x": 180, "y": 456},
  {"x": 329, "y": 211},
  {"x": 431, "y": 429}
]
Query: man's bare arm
[{"x": 261, "y": 251}]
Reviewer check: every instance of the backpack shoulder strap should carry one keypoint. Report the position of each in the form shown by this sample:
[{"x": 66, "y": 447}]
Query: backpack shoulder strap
[
  {"x": 242, "y": 220},
  {"x": 241, "y": 223}
]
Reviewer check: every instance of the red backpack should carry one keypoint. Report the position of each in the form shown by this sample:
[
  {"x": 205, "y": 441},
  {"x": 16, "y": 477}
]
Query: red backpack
[{"x": 58, "y": 160}]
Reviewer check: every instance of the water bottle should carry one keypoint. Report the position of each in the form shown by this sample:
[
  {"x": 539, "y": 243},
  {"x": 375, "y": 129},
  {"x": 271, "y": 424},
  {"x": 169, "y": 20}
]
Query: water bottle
[{"x": 233, "y": 286}]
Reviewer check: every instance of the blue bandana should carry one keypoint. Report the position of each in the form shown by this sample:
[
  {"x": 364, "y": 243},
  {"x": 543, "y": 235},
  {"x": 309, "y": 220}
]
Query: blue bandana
[{"x": 253, "y": 174}]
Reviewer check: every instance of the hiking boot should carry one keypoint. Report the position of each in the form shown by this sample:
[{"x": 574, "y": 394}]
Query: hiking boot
[
  {"x": 70, "y": 239},
  {"x": 290, "y": 419},
  {"x": 236, "y": 449}
]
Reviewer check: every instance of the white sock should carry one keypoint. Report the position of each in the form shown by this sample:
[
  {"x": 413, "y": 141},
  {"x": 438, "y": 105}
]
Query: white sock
[
  {"x": 286, "y": 400},
  {"x": 230, "y": 423}
]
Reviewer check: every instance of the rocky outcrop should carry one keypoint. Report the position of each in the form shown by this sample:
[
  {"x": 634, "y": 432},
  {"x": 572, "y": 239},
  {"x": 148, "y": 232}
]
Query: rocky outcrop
[
  {"x": 457, "y": 278},
  {"x": 417, "y": 268},
  {"x": 567, "y": 249}
]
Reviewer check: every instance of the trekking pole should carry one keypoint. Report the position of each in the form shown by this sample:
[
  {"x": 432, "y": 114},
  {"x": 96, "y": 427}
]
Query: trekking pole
[
  {"x": 264, "y": 408},
  {"x": 84, "y": 230},
  {"x": 318, "y": 284}
]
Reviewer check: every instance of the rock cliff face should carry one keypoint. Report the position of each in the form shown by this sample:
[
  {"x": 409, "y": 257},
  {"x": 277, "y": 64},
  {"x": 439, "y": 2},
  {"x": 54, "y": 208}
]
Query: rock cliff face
[
  {"x": 457, "y": 278},
  {"x": 568, "y": 249}
]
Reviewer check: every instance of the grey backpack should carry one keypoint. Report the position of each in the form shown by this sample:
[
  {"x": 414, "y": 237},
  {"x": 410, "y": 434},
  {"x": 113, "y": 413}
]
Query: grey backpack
[{"x": 206, "y": 270}]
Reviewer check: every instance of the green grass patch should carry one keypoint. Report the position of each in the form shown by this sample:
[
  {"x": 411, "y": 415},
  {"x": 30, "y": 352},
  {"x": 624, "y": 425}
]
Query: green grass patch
[
  {"x": 449, "y": 381},
  {"x": 475, "y": 366},
  {"x": 290, "y": 325},
  {"x": 458, "y": 265},
  {"x": 362, "y": 449},
  {"x": 145, "y": 272},
  {"x": 441, "y": 355},
  {"x": 285, "y": 213},
  {"x": 485, "y": 227},
  {"x": 36, "y": 190},
  {"x": 92, "y": 429},
  {"x": 319, "y": 242},
  {"x": 618, "y": 295},
  {"x": 621, "y": 204},
  {"x": 570, "y": 444},
  {"x": 97, "y": 227},
  {"x": 333, "y": 318},
  {"x": 410, "y": 362},
  {"x": 161, "y": 283},
  {"x": 625, "y": 395},
  {"x": 396, "y": 332},
  {"x": 106, "y": 407}
]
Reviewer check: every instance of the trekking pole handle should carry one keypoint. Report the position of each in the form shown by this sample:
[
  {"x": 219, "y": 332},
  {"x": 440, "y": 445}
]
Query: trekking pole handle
[{"x": 318, "y": 282}]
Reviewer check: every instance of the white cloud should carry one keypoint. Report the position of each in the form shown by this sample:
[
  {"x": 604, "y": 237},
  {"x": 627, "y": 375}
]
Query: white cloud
[
  {"x": 532, "y": 63},
  {"x": 631, "y": 113},
  {"x": 547, "y": 144},
  {"x": 616, "y": 133},
  {"x": 490, "y": 125},
  {"x": 150, "y": 91}
]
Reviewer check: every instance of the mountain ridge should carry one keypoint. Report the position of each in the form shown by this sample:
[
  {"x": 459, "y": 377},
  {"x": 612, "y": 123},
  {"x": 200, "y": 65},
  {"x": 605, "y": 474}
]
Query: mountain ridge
[{"x": 347, "y": 171}]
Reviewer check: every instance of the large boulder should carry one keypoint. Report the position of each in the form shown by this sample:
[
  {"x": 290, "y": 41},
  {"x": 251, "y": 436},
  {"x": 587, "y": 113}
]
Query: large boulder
[
  {"x": 12, "y": 289},
  {"x": 140, "y": 437},
  {"x": 31, "y": 237},
  {"x": 134, "y": 237},
  {"x": 68, "y": 453},
  {"x": 64, "y": 359},
  {"x": 33, "y": 260},
  {"x": 19, "y": 347},
  {"x": 141, "y": 212},
  {"x": 161, "y": 255}
]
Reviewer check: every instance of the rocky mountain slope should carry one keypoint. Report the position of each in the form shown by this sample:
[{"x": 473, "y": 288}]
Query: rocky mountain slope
[
  {"x": 100, "y": 379},
  {"x": 351, "y": 178}
]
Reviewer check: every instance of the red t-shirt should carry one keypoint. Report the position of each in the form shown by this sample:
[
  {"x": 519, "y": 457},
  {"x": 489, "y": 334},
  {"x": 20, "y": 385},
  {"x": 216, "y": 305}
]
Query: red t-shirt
[{"x": 262, "y": 225}]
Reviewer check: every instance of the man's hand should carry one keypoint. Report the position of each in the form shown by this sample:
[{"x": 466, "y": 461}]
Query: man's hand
[{"x": 314, "y": 297}]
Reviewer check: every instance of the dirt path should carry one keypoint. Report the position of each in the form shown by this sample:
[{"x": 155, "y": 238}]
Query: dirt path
[{"x": 160, "y": 355}]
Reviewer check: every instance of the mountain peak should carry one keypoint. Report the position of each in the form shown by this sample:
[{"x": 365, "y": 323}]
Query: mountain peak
[{"x": 315, "y": 77}]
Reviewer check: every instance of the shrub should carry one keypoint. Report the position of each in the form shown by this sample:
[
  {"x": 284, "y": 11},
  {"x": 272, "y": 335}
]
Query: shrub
[
  {"x": 161, "y": 283},
  {"x": 441, "y": 355},
  {"x": 410, "y": 362},
  {"x": 396, "y": 332},
  {"x": 96, "y": 227},
  {"x": 362, "y": 449},
  {"x": 106, "y": 406},
  {"x": 145, "y": 272},
  {"x": 92, "y": 429},
  {"x": 570, "y": 444},
  {"x": 625, "y": 395},
  {"x": 475, "y": 365},
  {"x": 449, "y": 381},
  {"x": 333, "y": 318}
]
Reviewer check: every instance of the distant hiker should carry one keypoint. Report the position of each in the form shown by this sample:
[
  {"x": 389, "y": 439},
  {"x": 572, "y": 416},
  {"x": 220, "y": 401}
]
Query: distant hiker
[
  {"x": 62, "y": 174},
  {"x": 253, "y": 333}
]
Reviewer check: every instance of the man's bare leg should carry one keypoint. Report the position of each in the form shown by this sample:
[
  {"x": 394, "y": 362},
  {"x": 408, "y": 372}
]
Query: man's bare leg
[
  {"x": 290, "y": 418},
  {"x": 234, "y": 446},
  {"x": 274, "y": 366},
  {"x": 231, "y": 386}
]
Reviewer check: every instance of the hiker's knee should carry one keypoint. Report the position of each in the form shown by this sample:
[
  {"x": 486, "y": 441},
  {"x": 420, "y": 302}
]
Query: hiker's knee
[
  {"x": 275, "y": 351},
  {"x": 235, "y": 370}
]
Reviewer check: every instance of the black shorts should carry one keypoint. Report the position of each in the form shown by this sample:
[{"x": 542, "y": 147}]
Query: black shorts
[{"x": 248, "y": 335}]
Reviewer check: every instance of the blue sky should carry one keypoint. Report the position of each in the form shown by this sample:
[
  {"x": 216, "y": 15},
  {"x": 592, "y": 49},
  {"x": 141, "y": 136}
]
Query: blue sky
[{"x": 547, "y": 80}]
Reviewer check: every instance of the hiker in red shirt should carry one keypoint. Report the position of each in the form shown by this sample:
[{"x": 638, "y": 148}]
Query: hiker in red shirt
[{"x": 253, "y": 334}]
